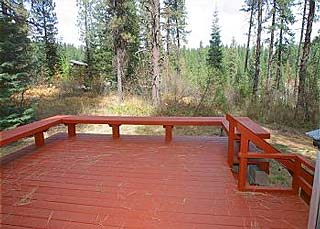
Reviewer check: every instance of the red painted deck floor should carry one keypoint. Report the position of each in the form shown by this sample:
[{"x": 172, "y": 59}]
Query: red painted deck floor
[{"x": 92, "y": 181}]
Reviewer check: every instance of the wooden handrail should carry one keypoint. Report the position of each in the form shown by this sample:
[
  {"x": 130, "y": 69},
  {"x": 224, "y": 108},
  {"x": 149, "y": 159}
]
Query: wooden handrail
[
  {"x": 271, "y": 156},
  {"x": 302, "y": 178}
]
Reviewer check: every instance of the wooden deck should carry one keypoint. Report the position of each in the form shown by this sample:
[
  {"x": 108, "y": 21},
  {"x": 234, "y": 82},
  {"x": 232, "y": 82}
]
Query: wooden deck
[{"x": 93, "y": 181}]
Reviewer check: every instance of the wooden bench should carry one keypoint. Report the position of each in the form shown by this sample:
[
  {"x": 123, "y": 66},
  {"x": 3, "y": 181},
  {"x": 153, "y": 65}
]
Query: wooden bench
[
  {"x": 115, "y": 122},
  {"x": 35, "y": 129}
]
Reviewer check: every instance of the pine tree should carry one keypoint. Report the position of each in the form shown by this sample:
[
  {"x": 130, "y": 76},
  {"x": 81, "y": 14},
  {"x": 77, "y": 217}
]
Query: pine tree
[
  {"x": 44, "y": 21},
  {"x": 215, "y": 64},
  {"x": 14, "y": 64},
  {"x": 285, "y": 19},
  {"x": 303, "y": 21},
  {"x": 215, "y": 54},
  {"x": 125, "y": 38},
  {"x": 231, "y": 63},
  {"x": 301, "y": 107},
  {"x": 151, "y": 9},
  {"x": 258, "y": 50},
  {"x": 250, "y": 7},
  {"x": 175, "y": 28},
  {"x": 271, "y": 42},
  {"x": 101, "y": 43},
  {"x": 85, "y": 22}
]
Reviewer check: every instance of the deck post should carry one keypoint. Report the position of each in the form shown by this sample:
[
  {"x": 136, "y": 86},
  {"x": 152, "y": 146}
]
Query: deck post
[
  {"x": 243, "y": 163},
  {"x": 39, "y": 139},
  {"x": 296, "y": 177},
  {"x": 231, "y": 139},
  {"x": 115, "y": 131},
  {"x": 71, "y": 130},
  {"x": 168, "y": 136}
]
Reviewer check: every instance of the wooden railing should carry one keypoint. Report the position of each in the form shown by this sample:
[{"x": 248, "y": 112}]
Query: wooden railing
[{"x": 301, "y": 169}]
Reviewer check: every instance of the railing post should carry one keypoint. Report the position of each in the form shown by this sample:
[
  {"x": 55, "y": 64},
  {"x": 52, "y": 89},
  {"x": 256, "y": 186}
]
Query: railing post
[
  {"x": 296, "y": 176},
  {"x": 168, "y": 136},
  {"x": 231, "y": 139},
  {"x": 71, "y": 130},
  {"x": 39, "y": 139},
  {"x": 243, "y": 163}
]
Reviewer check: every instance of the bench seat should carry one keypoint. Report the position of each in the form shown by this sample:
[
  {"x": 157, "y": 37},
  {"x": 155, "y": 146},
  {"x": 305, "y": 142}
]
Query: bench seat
[
  {"x": 35, "y": 129},
  {"x": 115, "y": 122}
]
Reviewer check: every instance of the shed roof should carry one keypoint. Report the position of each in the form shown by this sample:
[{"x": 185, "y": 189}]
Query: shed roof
[{"x": 78, "y": 63}]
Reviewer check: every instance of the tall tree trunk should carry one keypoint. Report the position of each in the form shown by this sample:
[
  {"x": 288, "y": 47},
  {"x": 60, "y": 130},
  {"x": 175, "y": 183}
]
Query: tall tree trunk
[
  {"x": 168, "y": 36},
  {"x": 301, "y": 107},
  {"x": 178, "y": 68},
  {"x": 258, "y": 51},
  {"x": 270, "y": 56},
  {"x": 249, "y": 35},
  {"x": 299, "y": 46},
  {"x": 87, "y": 43},
  {"x": 279, "y": 58},
  {"x": 167, "y": 52},
  {"x": 120, "y": 59},
  {"x": 46, "y": 42},
  {"x": 177, "y": 25},
  {"x": 155, "y": 34}
]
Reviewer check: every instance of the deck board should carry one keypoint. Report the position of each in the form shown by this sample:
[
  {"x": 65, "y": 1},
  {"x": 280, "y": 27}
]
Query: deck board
[{"x": 92, "y": 181}]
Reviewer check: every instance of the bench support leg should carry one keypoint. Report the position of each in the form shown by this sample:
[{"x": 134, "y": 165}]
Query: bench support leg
[
  {"x": 168, "y": 136},
  {"x": 39, "y": 139},
  {"x": 71, "y": 130},
  {"x": 115, "y": 131}
]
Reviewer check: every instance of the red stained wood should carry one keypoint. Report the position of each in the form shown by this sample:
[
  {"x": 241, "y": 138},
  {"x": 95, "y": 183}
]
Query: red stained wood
[
  {"x": 39, "y": 139},
  {"x": 134, "y": 120},
  {"x": 91, "y": 181},
  {"x": 71, "y": 130},
  {"x": 292, "y": 162},
  {"x": 115, "y": 131},
  {"x": 168, "y": 136},
  {"x": 28, "y": 130}
]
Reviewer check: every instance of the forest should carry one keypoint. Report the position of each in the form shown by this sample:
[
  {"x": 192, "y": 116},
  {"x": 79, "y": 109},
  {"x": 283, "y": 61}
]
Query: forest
[{"x": 138, "y": 48}]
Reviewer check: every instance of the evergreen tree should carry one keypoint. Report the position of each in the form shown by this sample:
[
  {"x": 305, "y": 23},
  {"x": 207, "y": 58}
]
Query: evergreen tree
[
  {"x": 44, "y": 21},
  {"x": 250, "y": 6},
  {"x": 85, "y": 22},
  {"x": 175, "y": 23},
  {"x": 257, "y": 67},
  {"x": 101, "y": 43},
  {"x": 151, "y": 9},
  {"x": 215, "y": 54},
  {"x": 215, "y": 64},
  {"x": 285, "y": 19},
  {"x": 175, "y": 27},
  {"x": 125, "y": 31},
  {"x": 14, "y": 64},
  {"x": 232, "y": 64},
  {"x": 302, "y": 109}
]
